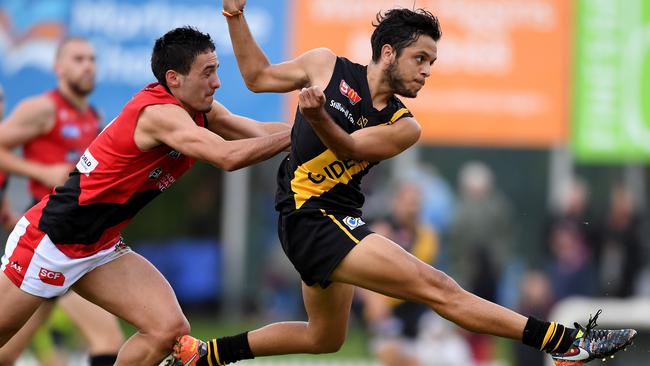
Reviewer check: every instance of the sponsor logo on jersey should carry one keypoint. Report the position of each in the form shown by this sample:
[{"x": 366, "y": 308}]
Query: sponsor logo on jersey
[
  {"x": 70, "y": 131},
  {"x": 166, "y": 182},
  {"x": 353, "y": 222},
  {"x": 174, "y": 154},
  {"x": 362, "y": 122},
  {"x": 87, "y": 163},
  {"x": 333, "y": 170},
  {"x": 350, "y": 93},
  {"x": 17, "y": 267},
  {"x": 155, "y": 174},
  {"x": 339, "y": 107},
  {"x": 51, "y": 277},
  {"x": 121, "y": 246}
]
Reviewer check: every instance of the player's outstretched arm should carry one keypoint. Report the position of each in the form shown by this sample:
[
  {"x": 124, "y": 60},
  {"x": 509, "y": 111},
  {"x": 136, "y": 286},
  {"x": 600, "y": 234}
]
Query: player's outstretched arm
[
  {"x": 171, "y": 125},
  {"x": 32, "y": 118},
  {"x": 312, "y": 68},
  {"x": 231, "y": 126},
  {"x": 370, "y": 144}
]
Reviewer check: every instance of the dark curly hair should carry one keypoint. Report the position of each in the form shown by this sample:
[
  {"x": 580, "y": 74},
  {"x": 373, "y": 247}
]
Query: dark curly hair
[
  {"x": 177, "y": 50},
  {"x": 401, "y": 27}
]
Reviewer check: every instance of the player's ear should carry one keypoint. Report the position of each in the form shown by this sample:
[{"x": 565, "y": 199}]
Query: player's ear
[
  {"x": 388, "y": 53},
  {"x": 173, "y": 78}
]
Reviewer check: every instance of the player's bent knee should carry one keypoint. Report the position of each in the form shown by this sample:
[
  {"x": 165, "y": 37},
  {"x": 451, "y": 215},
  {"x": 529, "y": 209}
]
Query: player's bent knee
[
  {"x": 165, "y": 335},
  {"x": 439, "y": 289},
  {"x": 327, "y": 344}
]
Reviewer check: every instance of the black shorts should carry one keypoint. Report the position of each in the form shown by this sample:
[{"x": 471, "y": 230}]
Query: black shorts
[{"x": 316, "y": 241}]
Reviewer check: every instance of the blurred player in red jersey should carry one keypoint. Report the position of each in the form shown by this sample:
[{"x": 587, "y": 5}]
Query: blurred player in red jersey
[
  {"x": 72, "y": 238},
  {"x": 7, "y": 218},
  {"x": 54, "y": 129}
]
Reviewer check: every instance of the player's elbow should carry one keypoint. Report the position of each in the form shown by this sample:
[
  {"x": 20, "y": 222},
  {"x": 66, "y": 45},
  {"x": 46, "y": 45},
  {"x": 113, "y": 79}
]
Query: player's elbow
[
  {"x": 255, "y": 79},
  {"x": 226, "y": 160},
  {"x": 346, "y": 154},
  {"x": 347, "y": 150},
  {"x": 254, "y": 85},
  {"x": 230, "y": 164}
]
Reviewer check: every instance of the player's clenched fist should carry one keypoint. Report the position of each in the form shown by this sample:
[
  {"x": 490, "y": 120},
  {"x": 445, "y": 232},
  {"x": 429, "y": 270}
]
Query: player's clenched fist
[
  {"x": 311, "y": 101},
  {"x": 233, "y": 6}
]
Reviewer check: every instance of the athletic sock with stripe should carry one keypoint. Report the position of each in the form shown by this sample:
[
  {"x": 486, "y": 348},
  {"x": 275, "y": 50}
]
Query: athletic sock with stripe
[
  {"x": 550, "y": 337},
  {"x": 225, "y": 350}
]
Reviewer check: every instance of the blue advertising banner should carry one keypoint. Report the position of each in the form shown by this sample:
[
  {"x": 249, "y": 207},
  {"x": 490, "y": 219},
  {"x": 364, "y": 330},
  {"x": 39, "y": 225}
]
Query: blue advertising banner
[{"x": 123, "y": 33}]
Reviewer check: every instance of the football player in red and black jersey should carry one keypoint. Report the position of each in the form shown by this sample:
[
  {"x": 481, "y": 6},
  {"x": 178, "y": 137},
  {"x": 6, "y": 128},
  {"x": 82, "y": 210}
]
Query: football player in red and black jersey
[
  {"x": 54, "y": 129},
  {"x": 71, "y": 238}
]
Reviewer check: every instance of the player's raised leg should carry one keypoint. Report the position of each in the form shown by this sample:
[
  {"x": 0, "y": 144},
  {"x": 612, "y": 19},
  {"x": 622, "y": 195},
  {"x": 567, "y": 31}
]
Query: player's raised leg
[
  {"x": 325, "y": 331},
  {"x": 133, "y": 289},
  {"x": 380, "y": 265}
]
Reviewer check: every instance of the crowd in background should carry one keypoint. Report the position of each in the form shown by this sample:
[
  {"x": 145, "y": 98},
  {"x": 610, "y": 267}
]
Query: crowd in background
[{"x": 584, "y": 252}]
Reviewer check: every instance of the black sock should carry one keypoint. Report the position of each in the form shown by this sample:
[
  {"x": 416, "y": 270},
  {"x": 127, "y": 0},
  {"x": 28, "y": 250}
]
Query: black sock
[
  {"x": 103, "y": 360},
  {"x": 549, "y": 337},
  {"x": 223, "y": 351}
]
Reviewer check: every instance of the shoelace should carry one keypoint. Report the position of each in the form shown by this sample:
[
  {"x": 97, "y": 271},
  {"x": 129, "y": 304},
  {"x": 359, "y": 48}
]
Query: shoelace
[
  {"x": 595, "y": 336},
  {"x": 592, "y": 321}
]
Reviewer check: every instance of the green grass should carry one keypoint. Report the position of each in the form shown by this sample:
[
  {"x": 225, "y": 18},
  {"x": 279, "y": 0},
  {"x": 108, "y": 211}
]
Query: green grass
[{"x": 211, "y": 327}]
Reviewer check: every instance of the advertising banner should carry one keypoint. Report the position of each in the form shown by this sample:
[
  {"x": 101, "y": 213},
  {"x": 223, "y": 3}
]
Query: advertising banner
[
  {"x": 612, "y": 81},
  {"x": 501, "y": 78},
  {"x": 123, "y": 33}
]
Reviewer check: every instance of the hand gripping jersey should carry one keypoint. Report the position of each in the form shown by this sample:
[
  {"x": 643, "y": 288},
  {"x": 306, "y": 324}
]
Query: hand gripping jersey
[
  {"x": 73, "y": 131},
  {"x": 112, "y": 181},
  {"x": 312, "y": 177}
]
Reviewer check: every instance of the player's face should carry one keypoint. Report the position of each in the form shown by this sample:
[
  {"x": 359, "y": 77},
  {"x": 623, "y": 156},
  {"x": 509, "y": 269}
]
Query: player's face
[
  {"x": 198, "y": 86},
  {"x": 406, "y": 75},
  {"x": 76, "y": 66}
]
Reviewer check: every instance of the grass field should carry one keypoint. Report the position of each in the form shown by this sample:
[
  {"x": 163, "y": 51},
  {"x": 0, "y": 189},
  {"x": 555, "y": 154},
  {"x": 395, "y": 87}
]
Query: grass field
[
  {"x": 353, "y": 353},
  {"x": 207, "y": 328}
]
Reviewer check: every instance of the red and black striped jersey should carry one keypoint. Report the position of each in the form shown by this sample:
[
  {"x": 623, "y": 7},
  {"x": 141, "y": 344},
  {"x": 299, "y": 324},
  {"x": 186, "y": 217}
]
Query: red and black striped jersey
[
  {"x": 112, "y": 181},
  {"x": 71, "y": 134}
]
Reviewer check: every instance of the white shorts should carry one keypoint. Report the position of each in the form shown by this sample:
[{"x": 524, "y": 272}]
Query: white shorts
[{"x": 34, "y": 264}]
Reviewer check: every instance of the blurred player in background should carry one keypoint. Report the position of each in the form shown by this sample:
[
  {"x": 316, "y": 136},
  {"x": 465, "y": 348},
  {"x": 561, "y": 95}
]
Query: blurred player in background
[
  {"x": 7, "y": 217},
  {"x": 348, "y": 120},
  {"x": 72, "y": 237},
  {"x": 54, "y": 129},
  {"x": 407, "y": 333}
]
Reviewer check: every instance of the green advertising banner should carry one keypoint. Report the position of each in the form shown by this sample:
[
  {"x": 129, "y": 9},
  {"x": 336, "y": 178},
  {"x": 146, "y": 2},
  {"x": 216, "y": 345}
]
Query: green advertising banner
[{"x": 611, "y": 116}]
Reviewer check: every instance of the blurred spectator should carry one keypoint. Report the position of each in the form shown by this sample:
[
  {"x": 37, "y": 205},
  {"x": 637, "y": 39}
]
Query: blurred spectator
[
  {"x": 396, "y": 324},
  {"x": 571, "y": 211},
  {"x": 480, "y": 241},
  {"x": 481, "y": 232},
  {"x": 536, "y": 300},
  {"x": 279, "y": 294},
  {"x": 570, "y": 266},
  {"x": 569, "y": 242},
  {"x": 437, "y": 198},
  {"x": 620, "y": 251}
]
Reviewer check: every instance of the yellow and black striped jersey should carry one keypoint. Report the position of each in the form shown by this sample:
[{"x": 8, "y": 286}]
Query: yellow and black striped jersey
[{"x": 312, "y": 177}]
